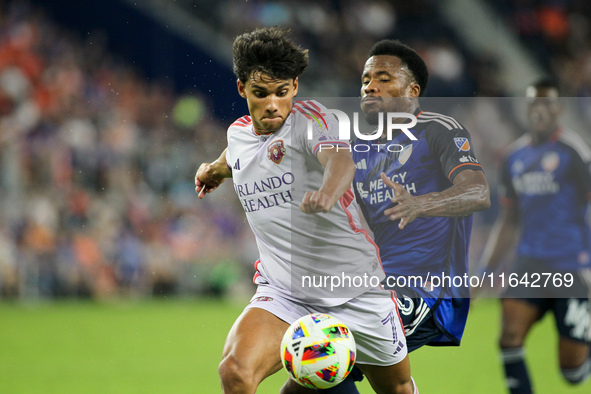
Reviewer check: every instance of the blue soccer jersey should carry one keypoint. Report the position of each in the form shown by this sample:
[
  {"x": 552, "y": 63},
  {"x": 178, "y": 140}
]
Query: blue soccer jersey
[
  {"x": 551, "y": 185},
  {"x": 429, "y": 246}
]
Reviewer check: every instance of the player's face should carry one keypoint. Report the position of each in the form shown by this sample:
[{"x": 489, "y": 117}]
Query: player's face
[
  {"x": 269, "y": 101},
  {"x": 543, "y": 111},
  {"x": 387, "y": 86}
]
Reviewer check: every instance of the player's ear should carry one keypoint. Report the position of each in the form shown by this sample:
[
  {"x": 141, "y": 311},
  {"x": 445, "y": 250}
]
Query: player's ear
[
  {"x": 295, "y": 86},
  {"x": 241, "y": 88},
  {"x": 414, "y": 89}
]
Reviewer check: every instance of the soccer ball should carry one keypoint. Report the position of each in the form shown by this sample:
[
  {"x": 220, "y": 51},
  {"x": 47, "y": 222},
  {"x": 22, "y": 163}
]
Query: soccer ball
[{"x": 318, "y": 351}]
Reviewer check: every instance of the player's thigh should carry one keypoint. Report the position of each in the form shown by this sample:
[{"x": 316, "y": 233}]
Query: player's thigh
[
  {"x": 518, "y": 316},
  {"x": 573, "y": 322},
  {"x": 254, "y": 340},
  {"x": 389, "y": 379}
]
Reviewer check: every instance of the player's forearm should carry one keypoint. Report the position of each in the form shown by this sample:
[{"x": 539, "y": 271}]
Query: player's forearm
[
  {"x": 469, "y": 194},
  {"x": 220, "y": 168},
  {"x": 458, "y": 200},
  {"x": 338, "y": 175}
]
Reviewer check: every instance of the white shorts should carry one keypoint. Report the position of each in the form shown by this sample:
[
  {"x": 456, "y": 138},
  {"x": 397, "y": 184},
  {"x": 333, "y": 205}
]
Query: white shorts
[{"x": 372, "y": 317}]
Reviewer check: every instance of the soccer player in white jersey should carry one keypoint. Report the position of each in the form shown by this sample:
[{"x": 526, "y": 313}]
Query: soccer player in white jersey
[{"x": 299, "y": 204}]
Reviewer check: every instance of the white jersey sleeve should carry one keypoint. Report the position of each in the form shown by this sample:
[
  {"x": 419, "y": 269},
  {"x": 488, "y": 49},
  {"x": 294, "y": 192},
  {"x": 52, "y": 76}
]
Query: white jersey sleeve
[{"x": 322, "y": 129}]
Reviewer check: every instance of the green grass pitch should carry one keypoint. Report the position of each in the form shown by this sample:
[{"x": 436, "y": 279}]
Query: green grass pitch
[{"x": 174, "y": 347}]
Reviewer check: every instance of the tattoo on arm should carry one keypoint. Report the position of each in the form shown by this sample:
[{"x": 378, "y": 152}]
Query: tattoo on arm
[{"x": 458, "y": 200}]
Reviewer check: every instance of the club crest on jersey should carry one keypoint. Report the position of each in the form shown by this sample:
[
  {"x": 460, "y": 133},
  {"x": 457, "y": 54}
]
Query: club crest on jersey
[
  {"x": 550, "y": 161},
  {"x": 405, "y": 154},
  {"x": 276, "y": 151},
  {"x": 462, "y": 144}
]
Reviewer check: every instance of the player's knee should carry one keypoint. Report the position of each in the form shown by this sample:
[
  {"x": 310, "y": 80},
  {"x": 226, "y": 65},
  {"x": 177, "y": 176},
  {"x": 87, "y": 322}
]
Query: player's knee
[
  {"x": 577, "y": 375},
  {"x": 406, "y": 388},
  {"x": 511, "y": 338},
  {"x": 235, "y": 376}
]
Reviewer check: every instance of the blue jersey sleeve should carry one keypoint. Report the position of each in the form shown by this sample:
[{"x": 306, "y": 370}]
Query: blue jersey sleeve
[
  {"x": 582, "y": 173},
  {"x": 454, "y": 150},
  {"x": 507, "y": 194}
]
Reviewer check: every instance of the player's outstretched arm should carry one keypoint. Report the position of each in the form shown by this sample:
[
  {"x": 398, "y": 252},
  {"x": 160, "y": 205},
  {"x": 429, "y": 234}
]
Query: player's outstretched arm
[
  {"x": 210, "y": 175},
  {"x": 339, "y": 170},
  {"x": 469, "y": 194}
]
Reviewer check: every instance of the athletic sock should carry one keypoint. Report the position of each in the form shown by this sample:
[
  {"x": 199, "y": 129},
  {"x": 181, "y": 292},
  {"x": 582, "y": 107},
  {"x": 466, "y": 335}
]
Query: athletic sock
[
  {"x": 577, "y": 375},
  {"x": 347, "y": 386},
  {"x": 516, "y": 375}
]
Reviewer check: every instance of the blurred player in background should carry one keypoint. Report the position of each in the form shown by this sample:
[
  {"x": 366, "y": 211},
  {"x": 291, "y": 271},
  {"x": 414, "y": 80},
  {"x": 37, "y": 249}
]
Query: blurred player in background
[
  {"x": 545, "y": 188},
  {"x": 300, "y": 206}
]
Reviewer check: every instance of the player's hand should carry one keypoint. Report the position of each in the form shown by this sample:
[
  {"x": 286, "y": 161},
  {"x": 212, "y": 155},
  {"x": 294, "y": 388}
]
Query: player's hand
[
  {"x": 406, "y": 207},
  {"x": 314, "y": 202},
  {"x": 207, "y": 179}
]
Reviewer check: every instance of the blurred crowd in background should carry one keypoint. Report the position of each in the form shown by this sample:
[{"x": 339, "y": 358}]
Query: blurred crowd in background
[
  {"x": 97, "y": 162},
  {"x": 339, "y": 35},
  {"x": 96, "y": 179},
  {"x": 558, "y": 33}
]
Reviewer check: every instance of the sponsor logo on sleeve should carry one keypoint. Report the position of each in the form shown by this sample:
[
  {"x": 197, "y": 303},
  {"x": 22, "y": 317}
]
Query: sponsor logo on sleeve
[
  {"x": 468, "y": 159},
  {"x": 262, "y": 299}
]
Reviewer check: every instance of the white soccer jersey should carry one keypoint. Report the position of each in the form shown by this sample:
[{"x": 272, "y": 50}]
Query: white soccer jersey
[{"x": 320, "y": 259}]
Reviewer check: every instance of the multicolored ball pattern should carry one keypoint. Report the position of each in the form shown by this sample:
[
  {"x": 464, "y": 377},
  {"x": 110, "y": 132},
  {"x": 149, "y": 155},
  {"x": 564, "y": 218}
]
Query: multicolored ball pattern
[{"x": 318, "y": 351}]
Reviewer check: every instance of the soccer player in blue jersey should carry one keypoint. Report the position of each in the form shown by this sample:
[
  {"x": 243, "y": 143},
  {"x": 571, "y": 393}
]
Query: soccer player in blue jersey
[
  {"x": 417, "y": 197},
  {"x": 545, "y": 188}
]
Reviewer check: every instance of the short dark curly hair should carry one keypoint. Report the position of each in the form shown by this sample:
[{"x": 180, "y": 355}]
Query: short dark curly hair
[
  {"x": 268, "y": 51},
  {"x": 408, "y": 56}
]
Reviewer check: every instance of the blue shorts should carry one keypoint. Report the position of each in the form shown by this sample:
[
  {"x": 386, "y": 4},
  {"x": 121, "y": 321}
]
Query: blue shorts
[
  {"x": 418, "y": 320},
  {"x": 570, "y": 305}
]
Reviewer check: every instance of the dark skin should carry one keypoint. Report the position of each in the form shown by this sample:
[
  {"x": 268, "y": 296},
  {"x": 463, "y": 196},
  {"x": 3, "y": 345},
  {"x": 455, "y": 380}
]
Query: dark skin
[
  {"x": 543, "y": 113},
  {"x": 386, "y": 77}
]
